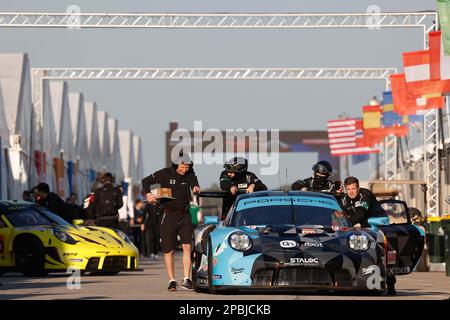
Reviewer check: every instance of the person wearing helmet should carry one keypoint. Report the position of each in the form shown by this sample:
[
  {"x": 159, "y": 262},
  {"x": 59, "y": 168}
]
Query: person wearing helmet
[
  {"x": 320, "y": 181},
  {"x": 236, "y": 179},
  {"x": 175, "y": 217}
]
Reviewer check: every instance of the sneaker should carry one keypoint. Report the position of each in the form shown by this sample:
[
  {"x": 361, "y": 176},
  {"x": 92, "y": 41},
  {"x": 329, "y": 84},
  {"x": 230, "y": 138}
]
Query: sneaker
[
  {"x": 172, "y": 286},
  {"x": 152, "y": 256},
  {"x": 156, "y": 257},
  {"x": 186, "y": 284}
]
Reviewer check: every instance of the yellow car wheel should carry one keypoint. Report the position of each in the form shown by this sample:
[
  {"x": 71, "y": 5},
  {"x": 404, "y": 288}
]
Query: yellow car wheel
[{"x": 30, "y": 256}]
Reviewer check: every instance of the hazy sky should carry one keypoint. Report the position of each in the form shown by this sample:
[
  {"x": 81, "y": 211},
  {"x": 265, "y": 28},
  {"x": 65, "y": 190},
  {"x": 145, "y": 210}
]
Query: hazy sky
[{"x": 147, "y": 107}]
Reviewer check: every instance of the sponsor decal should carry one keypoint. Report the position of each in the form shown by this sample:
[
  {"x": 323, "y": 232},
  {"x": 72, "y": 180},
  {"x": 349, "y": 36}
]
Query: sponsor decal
[
  {"x": 242, "y": 186},
  {"x": 203, "y": 264},
  {"x": 220, "y": 248},
  {"x": 335, "y": 228},
  {"x": 283, "y": 201},
  {"x": 237, "y": 270},
  {"x": 308, "y": 231},
  {"x": 313, "y": 244},
  {"x": 394, "y": 271},
  {"x": 70, "y": 254},
  {"x": 304, "y": 261},
  {"x": 391, "y": 257},
  {"x": 217, "y": 276},
  {"x": 76, "y": 260},
  {"x": 288, "y": 243}
]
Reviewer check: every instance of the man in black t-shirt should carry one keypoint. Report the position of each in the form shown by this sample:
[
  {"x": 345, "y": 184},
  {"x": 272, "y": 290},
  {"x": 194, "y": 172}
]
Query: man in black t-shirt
[{"x": 175, "y": 218}]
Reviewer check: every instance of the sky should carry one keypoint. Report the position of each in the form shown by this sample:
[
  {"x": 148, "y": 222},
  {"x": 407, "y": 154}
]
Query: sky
[{"x": 147, "y": 107}]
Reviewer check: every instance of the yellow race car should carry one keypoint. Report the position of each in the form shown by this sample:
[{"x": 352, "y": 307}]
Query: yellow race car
[{"x": 35, "y": 241}]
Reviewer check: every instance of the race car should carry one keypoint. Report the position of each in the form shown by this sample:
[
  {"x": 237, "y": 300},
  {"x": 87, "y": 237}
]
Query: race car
[
  {"x": 34, "y": 241},
  {"x": 274, "y": 240}
]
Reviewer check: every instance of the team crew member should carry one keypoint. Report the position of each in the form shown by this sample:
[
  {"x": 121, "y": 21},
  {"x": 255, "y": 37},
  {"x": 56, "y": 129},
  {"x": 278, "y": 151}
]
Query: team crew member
[
  {"x": 51, "y": 201},
  {"x": 320, "y": 181},
  {"x": 237, "y": 179},
  {"x": 175, "y": 217},
  {"x": 360, "y": 204},
  {"x": 107, "y": 202}
]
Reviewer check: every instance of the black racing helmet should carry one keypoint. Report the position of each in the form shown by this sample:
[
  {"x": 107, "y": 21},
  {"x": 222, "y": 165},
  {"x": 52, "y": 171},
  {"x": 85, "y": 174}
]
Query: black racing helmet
[
  {"x": 236, "y": 165},
  {"x": 323, "y": 167}
]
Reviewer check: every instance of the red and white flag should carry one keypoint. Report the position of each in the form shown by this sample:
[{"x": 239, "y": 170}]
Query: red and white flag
[
  {"x": 439, "y": 62},
  {"x": 343, "y": 136}
]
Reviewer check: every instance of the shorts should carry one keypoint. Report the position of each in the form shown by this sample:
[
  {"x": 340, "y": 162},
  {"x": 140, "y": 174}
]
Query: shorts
[{"x": 173, "y": 224}]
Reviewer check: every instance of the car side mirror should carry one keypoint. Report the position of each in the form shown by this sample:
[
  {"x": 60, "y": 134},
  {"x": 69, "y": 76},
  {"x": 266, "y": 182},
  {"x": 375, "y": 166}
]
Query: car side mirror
[
  {"x": 211, "y": 220},
  {"x": 77, "y": 222},
  {"x": 378, "y": 221}
]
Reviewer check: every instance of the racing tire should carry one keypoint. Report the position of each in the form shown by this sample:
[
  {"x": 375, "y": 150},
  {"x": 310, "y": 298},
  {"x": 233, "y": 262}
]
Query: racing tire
[
  {"x": 211, "y": 287},
  {"x": 196, "y": 288},
  {"x": 30, "y": 257}
]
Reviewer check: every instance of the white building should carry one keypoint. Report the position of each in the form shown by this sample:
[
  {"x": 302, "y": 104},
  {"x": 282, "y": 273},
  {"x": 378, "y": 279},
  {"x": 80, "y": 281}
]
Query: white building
[
  {"x": 90, "y": 112},
  {"x": 103, "y": 139},
  {"x": 15, "y": 89},
  {"x": 79, "y": 141},
  {"x": 114, "y": 149}
]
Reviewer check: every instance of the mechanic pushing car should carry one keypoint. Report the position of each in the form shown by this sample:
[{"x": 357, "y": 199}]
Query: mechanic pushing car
[
  {"x": 175, "y": 216},
  {"x": 360, "y": 204},
  {"x": 51, "y": 201},
  {"x": 320, "y": 181},
  {"x": 236, "y": 179}
]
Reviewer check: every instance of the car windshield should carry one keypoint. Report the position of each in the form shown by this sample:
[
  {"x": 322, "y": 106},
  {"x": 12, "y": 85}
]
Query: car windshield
[
  {"x": 289, "y": 210},
  {"x": 27, "y": 216}
]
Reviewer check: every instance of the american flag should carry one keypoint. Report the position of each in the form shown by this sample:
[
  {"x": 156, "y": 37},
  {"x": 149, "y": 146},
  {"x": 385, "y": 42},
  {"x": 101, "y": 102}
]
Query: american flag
[{"x": 343, "y": 137}]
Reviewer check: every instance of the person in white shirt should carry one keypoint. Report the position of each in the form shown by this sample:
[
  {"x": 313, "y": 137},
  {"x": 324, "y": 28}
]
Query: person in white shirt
[{"x": 126, "y": 214}]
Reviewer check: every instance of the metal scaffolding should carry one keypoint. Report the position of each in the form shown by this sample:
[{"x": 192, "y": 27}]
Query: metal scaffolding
[
  {"x": 218, "y": 20},
  {"x": 427, "y": 21},
  {"x": 214, "y": 73}
]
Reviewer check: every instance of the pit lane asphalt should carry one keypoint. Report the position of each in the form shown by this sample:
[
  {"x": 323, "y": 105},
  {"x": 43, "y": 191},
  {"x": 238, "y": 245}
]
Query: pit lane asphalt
[{"x": 152, "y": 284}]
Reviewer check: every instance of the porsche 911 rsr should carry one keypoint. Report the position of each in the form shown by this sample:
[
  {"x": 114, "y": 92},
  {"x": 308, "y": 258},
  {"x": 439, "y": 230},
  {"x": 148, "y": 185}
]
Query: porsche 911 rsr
[
  {"x": 35, "y": 241},
  {"x": 300, "y": 240}
]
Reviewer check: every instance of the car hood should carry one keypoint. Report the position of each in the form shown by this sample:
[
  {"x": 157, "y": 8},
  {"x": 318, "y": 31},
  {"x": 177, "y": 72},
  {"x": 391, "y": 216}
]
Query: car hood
[
  {"x": 89, "y": 235},
  {"x": 294, "y": 240}
]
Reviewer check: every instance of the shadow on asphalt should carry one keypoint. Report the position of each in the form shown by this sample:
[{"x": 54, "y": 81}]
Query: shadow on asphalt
[
  {"x": 26, "y": 296},
  {"x": 402, "y": 293},
  {"x": 23, "y": 285}
]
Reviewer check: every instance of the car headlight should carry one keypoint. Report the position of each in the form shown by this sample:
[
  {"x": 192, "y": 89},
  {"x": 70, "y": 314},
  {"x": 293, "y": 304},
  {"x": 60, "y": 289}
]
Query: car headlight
[
  {"x": 122, "y": 235},
  {"x": 358, "y": 242},
  {"x": 64, "y": 237},
  {"x": 240, "y": 241}
]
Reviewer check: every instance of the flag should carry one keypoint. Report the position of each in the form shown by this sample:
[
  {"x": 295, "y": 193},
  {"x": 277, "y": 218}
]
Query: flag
[
  {"x": 70, "y": 175},
  {"x": 343, "y": 136},
  {"x": 359, "y": 158},
  {"x": 58, "y": 165},
  {"x": 439, "y": 62},
  {"x": 371, "y": 117},
  {"x": 416, "y": 65},
  {"x": 443, "y": 7},
  {"x": 391, "y": 118},
  {"x": 404, "y": 104}
]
